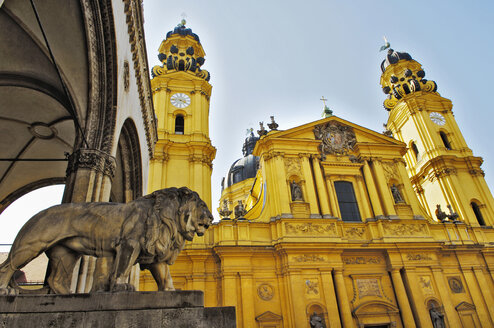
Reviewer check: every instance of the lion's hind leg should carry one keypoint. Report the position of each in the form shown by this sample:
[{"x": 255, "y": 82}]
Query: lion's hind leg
[
  {"x": 6, "y": 273},
  {"x": 60, "y": 268}
]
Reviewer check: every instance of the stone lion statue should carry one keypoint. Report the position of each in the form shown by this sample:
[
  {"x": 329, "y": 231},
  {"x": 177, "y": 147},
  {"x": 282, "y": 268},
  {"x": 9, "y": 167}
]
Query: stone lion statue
[{"x": 150, "y": 230}]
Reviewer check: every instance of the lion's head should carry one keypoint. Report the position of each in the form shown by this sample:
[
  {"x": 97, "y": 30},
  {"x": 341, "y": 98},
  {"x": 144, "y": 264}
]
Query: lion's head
[{"x": 182, "y": 211}]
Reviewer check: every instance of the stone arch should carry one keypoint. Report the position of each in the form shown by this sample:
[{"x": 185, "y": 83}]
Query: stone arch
[
  {"x": 444, "y": 137},
  {"x": 476, "y": 207},
  {"x": 127, "y": 183}
]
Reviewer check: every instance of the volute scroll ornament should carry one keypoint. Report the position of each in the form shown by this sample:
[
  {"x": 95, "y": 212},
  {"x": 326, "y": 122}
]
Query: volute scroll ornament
[{"x": 336, "y": 139}]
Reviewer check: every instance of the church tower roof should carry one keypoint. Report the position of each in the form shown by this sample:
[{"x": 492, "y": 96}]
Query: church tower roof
[{"x": 181, "y": 51}]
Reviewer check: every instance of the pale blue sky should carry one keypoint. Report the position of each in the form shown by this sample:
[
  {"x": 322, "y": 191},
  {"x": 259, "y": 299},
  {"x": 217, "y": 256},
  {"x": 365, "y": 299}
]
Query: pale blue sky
[{"x": 279, "y": 57}]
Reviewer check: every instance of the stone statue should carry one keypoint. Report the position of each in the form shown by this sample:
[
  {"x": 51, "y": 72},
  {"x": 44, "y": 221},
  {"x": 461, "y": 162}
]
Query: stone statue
[
  {"x": 437, "y": 318},
  {"x": 240, "y": 210},
  {"x": 225, "y": 212},
  {"x": 150, "y": 230},
  {"x": 453, "y": 216},
  {"x": 316, "y": 321},
  {"x": 396, "y": 194},
  {"x": 441, "y": 216},
  {"x": 296, "y": 191}
]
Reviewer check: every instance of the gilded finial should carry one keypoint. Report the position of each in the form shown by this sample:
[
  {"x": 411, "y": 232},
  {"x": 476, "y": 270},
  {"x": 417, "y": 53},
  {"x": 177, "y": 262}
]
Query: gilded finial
[
  {"x": 386, "y": 45},
  {"x": 183, "y": 21}
]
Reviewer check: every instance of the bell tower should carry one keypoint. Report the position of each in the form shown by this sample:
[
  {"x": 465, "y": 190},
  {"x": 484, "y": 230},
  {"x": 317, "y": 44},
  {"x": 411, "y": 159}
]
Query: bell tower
[
  {"x": 442, "y": 168},
  {"x": 181, "y": 93}
]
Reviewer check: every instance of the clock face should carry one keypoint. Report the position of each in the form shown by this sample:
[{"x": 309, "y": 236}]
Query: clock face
[
  {"x": 180, "y": 100},
  {"x": 437, "y": 118}
]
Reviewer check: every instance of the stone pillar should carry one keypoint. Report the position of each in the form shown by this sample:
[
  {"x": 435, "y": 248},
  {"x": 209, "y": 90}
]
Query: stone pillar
[
  {"x": 281, "y": 180},
  {"x": 310, "y": 196},
  {"x": 89, "y": 176},
  {"x": 401, "y": 295},
  {"x": 322, "y": 194},
  {"x": 297, "y": 287},
  {"x": 417, "y": 299},
  {"x": 343, "y": 301},
  {"x": 333, "y": 198},
  {"x": 248, "y": 306},
  {"x": 371, "y": 187},
  {"x": 382, "y": 187},
  {"x": 477, "y": 297},
  {"x": 485, "y": 290},
  {"x": 451, "y": 313},
  {"x": 329, "y": 297},
  {"x": 365, "y": 207}
]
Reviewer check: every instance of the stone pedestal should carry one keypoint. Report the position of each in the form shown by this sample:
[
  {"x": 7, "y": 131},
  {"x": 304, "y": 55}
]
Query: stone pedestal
[{"x": 124, "y": 310}]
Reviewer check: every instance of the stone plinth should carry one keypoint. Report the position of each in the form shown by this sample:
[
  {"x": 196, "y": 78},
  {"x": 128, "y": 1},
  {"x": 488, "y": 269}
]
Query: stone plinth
[{"x": 128, "y": 309}]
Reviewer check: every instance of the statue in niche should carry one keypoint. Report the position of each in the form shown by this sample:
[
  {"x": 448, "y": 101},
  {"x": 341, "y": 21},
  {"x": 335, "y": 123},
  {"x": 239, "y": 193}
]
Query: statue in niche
[
  {"x": 240, "y": 211},
  {"x": 441, "y": 216},
  {"x": 316, "y": 321},
  {"x": 396, "y": 194},
  {"x": 296, "y": 192},
  {"x": 437, "y": 318},
  {"x": 151, "y": 230}
]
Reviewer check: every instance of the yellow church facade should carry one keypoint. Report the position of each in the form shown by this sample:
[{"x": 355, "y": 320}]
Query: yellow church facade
[{"x": 330, "y": 224}]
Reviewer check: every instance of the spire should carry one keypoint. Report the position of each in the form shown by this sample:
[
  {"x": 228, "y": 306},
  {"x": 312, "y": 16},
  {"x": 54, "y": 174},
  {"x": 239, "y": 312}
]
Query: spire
[
  {"x": 402, "y": 76},
  {"x": 181, "y": 51}
]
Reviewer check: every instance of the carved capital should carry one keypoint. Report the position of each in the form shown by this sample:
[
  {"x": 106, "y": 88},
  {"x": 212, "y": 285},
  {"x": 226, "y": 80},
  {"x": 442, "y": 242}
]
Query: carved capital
[{"x": 92, "y": 159}]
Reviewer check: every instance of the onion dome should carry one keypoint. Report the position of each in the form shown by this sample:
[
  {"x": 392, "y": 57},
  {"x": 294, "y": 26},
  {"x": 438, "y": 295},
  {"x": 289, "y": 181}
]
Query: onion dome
[
  {"x": 245, "y": 167},
  {"x": 402, "y": 76},
  {"x": 181, "y": 51}
]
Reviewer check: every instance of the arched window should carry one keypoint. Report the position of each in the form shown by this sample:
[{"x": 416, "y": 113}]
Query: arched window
[
  {"x": 347, "y": 201},
  {"x": 478, "y": 214},
  {"x": 446, "y": 143},
  {"x": 415, "y": 151},
  {"x": 179, "y": 124}
]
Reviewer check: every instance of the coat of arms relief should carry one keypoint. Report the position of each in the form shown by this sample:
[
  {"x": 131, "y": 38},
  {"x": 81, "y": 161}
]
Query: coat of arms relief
[{"x": 336, "y": 138}]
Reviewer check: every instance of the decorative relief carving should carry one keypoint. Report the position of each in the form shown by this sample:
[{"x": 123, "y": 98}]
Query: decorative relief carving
[
  {"x": 390, "y": 171},
  {"x": 336, "y": 138},
  {"x": 426, "y": 284},
  {"x": 419, "y": 257},
  {"x": 361, "y": 260},
  {"x": 292, "y": 166},
  {"x": 92, "y": 159},
  {"x": 312, "y": 287},
  {"x": 456, "y": 285},
  {"x": 404, "y": 229},
  {"x": 475, "y": 172},
  {"x": 309, "y": 228},
  {"x": 265, "y": 291},
  {"x": 309, "y": 258},
  {"x": 368, "y": 287},
  {"x": 126, "y": 75},
  {"x": 354, "y": 232},
  {"x": 440, "y": 173}
]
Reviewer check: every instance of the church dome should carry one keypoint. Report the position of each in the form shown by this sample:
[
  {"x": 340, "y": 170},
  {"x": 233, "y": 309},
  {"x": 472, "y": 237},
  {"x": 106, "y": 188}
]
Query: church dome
[
  {"x": 245, "y": 167},
  {"x": 393, "y": 57},
  {"x": 180, "y": 29}
]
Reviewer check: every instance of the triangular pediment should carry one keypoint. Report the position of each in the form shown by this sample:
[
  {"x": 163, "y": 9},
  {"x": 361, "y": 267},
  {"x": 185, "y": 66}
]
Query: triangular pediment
[
  {"x": 464, "y": 306},
  {"x": 306, "y": 131},
  {"x": 268, "y": 316},
  {"x": 305, "y": 137}
]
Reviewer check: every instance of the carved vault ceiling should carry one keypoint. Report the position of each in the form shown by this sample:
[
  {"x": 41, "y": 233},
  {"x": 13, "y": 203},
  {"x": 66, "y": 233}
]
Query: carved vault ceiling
[{"x": 36, "y": 118}]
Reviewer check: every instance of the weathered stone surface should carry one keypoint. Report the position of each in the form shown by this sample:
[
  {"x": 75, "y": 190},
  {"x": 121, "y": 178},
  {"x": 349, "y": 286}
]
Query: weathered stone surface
[{"x": 129, "y": 309}]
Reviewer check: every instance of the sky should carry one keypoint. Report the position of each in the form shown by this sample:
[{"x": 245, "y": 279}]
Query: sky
[{"x": 279, "y": 58}]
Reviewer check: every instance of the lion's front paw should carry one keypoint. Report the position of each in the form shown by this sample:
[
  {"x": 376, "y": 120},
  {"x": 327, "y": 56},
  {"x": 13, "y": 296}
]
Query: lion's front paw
[
  {"x": 8, "y": 291},
  {"x": 123, "y": 288}
]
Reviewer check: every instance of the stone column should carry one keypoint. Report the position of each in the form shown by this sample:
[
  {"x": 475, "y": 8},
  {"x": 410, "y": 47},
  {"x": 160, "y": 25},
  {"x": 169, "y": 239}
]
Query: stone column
[
  {"x": 365, "y": 207},
  {"x": 329, "y": 297},
  {"x": 417, "y": 299},
  {"x": 477, "y": 297},
  {"x": 401, "y": 294},
  {"x": 248, "y": 306},
  {"x": 343, "y": 301},
  {"x": 89, "y": 176},
  {"x": 281, "y": 180},
  {"x": 451, "y": 313},
  {"x": 322, "y": 194},
  {"x": 371, "y": 187},
  {"x": 310, "y": 196},
  {"x": 382, "y": 187},
  {"x": 485, "y": 290},
  {"x": 297, "y": 287}
]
